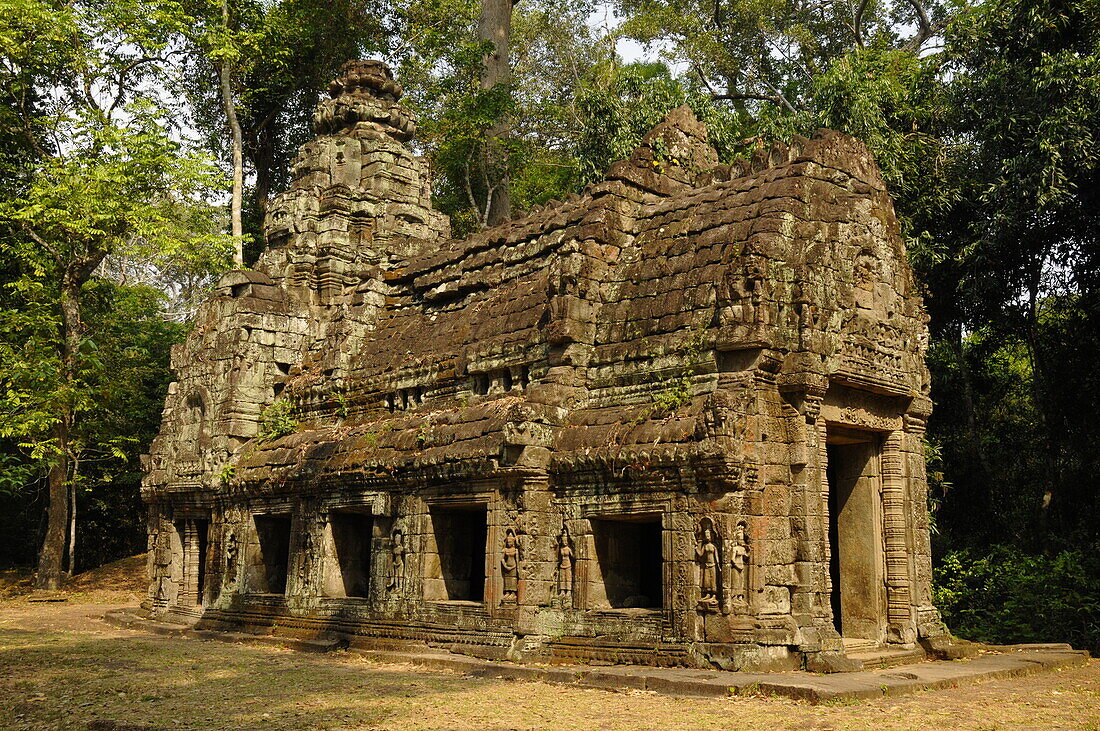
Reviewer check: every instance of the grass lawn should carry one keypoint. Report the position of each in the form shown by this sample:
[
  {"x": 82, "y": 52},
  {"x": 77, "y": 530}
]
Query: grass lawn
[{"x": 61, "y": 666}]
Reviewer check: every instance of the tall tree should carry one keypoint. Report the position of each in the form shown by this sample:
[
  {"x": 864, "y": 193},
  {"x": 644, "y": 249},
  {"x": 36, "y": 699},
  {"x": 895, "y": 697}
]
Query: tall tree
[
  {"x": 1026, "y": 278},
  {"x": 112, "y": 180},
  {"x": 494, "y": 29},
  {"x": 441, "y": 62},
  {"x": 254, "y": 74},
  {"x": 756, "y": 54}
]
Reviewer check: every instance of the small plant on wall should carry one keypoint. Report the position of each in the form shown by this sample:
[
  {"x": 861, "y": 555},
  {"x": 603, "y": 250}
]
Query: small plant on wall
[{"x": 277, "y": 420}]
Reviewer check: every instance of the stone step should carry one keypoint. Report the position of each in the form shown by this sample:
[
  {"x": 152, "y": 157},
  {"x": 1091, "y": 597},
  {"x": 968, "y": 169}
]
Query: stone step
[
  {"x": 293, "y": 643},
  {"x": 882, "y": 658},
  {"x": 995, "y": 663},
  {"x": 858, "y": 644},
  {"x": 137, "y": 619}
]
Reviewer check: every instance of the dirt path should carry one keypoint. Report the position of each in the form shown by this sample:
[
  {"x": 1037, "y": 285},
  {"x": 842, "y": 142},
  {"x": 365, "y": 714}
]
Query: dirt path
[{"x": 61, "y": 666}]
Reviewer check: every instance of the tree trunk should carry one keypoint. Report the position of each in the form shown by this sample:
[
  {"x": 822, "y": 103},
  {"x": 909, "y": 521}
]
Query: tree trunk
[
  {"x": 72, "y": 518},
  {"x": 50, "y": 571},
  {"x": 263, "y": 164},
  {"x": 1050, "y": 475},
  {"x": 495, "y": 26},
  {"x": 225, "y": 77}
]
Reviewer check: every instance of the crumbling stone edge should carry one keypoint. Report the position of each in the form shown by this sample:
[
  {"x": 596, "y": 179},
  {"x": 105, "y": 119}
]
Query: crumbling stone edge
[{"x": 994, "y": 663}]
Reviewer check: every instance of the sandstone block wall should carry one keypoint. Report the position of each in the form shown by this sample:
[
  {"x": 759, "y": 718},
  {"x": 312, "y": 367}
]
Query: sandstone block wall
[{"x": 674, "y": 419}]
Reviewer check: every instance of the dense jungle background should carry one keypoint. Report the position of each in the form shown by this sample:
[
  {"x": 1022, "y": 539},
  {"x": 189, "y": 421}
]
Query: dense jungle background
[{"x": 140, "y": 141}]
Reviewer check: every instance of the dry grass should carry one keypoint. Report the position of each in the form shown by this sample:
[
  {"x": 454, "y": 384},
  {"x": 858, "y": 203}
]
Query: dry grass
[{"x": 62, "y": 667}]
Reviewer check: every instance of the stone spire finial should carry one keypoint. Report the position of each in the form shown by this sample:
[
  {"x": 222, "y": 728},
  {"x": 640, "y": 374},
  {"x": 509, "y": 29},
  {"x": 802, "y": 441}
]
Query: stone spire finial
[
  {"x": 366, "y": 77},
  {"x": 365, "y": 92}
]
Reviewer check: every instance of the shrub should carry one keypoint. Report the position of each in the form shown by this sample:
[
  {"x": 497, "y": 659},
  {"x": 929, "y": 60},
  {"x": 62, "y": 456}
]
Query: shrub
[
  {"x": 277, "y": 421},
  {"x": 1002, "y": 595}
]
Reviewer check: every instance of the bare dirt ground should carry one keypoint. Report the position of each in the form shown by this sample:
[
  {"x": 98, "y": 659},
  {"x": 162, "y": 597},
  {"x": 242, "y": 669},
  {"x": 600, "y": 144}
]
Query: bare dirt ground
[
  {"x": 61, "y": 666},
  {"x": 120, "y": 582}
]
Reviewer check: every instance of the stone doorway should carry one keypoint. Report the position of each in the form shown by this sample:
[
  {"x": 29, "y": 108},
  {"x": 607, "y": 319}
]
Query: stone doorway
[
  {"x": 455, "y": 566},
  {"x": 857, "y": 562},
  {"x": 351, "y": 533},
  {"x": 629, "y": 562},
  {"x": 269, "y": 570}
]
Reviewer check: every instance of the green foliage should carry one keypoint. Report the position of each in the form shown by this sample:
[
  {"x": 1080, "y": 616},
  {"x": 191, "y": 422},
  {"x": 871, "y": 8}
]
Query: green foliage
[
  {"x": 116, "y": 191},
  {"x": 440, "y": 66},
  {"x": 226, "y": 473},
  {"x": 679, "y": 391},
  {"x": 759, "y": 53},
  {"x": 620, "y": 104},
  {"x": 938, "y": 485},
  {"x": 102, "y": 176},
  {"x": 124, "y": 396},
  {"x": 1003, "y": 595},
  {"x": 341, "y": 400},
  {"x": 675, "y": 394},
  {"x": 277, "y": 420},
  {"x": 282, "y": 56}
]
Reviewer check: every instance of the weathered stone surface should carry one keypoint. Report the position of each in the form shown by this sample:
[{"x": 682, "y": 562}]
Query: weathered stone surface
[{"x": 673, "y": 420}]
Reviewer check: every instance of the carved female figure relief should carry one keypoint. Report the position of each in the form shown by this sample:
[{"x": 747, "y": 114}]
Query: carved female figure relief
[
  {"x": 162, "y": 561},
  {"x": 706, "y": 553},
  {"x": 565, "y": 567},
  {"x": 509, "y": 567},
  {"x": 397, "y": 563},
  {"x": 739, "y": 555},
  {"x": 232, "y": 554},
  {"x": 301, "y": 560}
]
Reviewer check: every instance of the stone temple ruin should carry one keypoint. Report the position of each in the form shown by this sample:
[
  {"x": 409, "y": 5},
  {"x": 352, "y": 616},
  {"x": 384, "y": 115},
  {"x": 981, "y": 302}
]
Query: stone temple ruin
[{"x": 676, "y": 419}]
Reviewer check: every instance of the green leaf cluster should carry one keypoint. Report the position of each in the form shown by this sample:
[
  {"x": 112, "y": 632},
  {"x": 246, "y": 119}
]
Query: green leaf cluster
[
  {"x": 1002, "y": 595},
  {"x": 277, "y": 420}
]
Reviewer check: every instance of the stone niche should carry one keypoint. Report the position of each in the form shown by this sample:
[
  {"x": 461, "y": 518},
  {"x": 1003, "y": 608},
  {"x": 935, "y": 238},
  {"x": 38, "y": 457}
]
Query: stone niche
[{"x": 673, "y": 419}]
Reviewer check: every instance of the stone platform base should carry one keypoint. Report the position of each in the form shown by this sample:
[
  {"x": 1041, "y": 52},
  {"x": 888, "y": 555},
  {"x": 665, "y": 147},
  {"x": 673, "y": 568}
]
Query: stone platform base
[{"x": 992, "y": 662}]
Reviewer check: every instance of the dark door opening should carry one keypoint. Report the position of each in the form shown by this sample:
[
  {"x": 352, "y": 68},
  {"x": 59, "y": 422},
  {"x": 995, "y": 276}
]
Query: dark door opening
[
  {"x": 460, "y": 538},
  {"x": 855, "y": 534},
  {"x": 630, "y": 561},
  {"x": 273, "y": 538},
  {"x": 351, "y": 539}
]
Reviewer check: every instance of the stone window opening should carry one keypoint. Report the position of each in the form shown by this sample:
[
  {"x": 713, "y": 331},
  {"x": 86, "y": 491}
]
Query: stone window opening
[
  {"x": 504, "y": 380},
  {"x": 348, "y": 572},
  {"x": 455, "y": 557},
  {"x": 269, "y": 569},
  {"x": 629, "y": 562},
  {"x": 405, "y": 399}
]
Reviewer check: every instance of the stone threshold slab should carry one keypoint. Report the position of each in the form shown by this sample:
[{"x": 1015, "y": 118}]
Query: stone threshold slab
[
  {"x": 810, "y": 687},
  {"x": 998, "y": 662}
]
